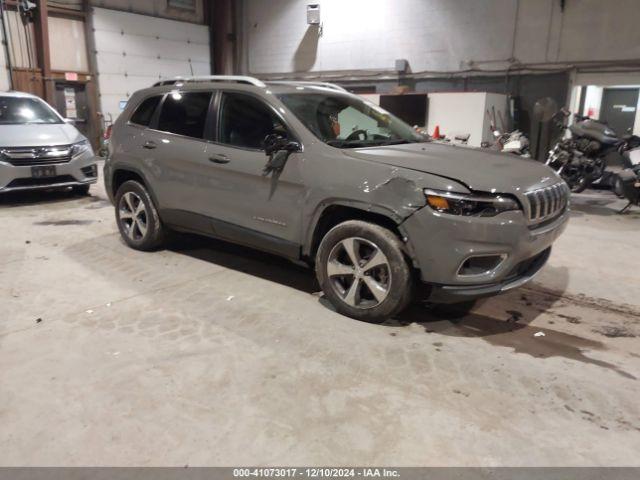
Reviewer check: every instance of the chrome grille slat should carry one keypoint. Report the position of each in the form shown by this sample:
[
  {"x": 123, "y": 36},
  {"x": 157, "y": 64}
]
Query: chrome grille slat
[
  {"x": 548, "y": 202},
  {"x": 554, "y": 198},
  {"x": 539, "y": 204}
]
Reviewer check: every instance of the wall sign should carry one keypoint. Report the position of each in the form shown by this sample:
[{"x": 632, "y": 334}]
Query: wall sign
[{"x": 70, "y": 103}]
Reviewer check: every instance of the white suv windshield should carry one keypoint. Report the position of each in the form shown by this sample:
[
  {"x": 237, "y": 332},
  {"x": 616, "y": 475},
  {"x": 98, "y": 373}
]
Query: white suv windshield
[
  {"x": 345, "y": 121},
  {"x": 21, "y": 110}
]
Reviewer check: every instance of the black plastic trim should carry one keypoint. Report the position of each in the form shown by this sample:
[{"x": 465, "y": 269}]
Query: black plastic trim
[{"x": 211, "y": 227}]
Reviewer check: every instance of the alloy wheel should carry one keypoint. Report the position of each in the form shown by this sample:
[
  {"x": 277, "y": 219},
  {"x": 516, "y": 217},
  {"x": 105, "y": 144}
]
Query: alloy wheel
[
  {"x": 359, "y": 272},
  {"x": 133, "y": 216}
]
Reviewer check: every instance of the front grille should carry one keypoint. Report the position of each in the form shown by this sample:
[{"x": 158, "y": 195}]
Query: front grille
[
  {"x": 29, "y": 156},
  {"x": 547, "y": 203}
]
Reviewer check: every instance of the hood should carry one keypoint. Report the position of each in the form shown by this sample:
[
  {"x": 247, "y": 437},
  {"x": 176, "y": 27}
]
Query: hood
[
  {"x": 39, "y": 135},
  {"x": 480, "y": 170}
]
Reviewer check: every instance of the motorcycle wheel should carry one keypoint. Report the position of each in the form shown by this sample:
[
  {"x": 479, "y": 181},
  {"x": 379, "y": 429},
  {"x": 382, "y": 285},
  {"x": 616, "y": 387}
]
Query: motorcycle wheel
[
  {"x": 577, "y": 181},
  {"x": 582, "y": 184},
  {"x": 617, "y": 187}
]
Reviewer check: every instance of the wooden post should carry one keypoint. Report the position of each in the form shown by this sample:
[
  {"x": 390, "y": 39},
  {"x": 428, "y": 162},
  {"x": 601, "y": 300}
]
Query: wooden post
[{"x": 44, "y": 50}]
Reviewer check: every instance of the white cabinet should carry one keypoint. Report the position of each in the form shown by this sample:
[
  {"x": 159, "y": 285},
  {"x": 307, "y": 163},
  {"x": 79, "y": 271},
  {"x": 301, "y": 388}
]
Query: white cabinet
[{"x": 459, "y": 113}]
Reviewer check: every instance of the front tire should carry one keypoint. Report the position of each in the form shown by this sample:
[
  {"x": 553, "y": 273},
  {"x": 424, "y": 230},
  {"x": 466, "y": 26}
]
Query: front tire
[
  {"x": 362, "y": 270},
  {"x": 137, "y": 217}
]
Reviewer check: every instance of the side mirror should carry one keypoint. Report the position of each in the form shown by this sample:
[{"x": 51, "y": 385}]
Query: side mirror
[{"x": 276, "y": 143}]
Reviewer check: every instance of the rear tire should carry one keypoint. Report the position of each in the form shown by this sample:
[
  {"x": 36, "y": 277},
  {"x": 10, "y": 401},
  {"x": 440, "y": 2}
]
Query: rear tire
[
  {"x": 363, "y": 272},
  {"x": 137, "y": 217}
]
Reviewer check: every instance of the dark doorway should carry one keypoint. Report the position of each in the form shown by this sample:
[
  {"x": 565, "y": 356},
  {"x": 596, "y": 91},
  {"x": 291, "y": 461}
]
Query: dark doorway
[
  {"x": 618, "y": 108},
  {"x": 412, "y": 108},
  {"x": 71, "y": 103}
]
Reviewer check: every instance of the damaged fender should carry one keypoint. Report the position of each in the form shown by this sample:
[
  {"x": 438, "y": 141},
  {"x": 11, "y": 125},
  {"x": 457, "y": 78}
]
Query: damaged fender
[{"x": 391, "y": 192}]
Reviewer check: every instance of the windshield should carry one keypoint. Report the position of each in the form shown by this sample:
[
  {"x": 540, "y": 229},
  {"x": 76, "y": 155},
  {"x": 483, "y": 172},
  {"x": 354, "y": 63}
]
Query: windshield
[
  {"x": 345, "y": 121},
  {"x": 22, "y": 110}
]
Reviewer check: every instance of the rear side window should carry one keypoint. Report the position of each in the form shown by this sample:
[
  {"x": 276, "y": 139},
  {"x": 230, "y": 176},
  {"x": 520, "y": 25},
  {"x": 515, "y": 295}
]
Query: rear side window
[
  {"x": 144, "y": 112},
  {"x": 246, "y": 120},
  {"x": 185, "y": 113}
]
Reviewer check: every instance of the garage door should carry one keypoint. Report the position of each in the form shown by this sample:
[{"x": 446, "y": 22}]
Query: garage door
[{"x": 134, "y": 51}]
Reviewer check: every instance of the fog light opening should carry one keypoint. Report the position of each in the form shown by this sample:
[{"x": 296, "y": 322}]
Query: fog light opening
[
  {"x": 90, "y": 171},
  {"x": 480, "y": 264}
]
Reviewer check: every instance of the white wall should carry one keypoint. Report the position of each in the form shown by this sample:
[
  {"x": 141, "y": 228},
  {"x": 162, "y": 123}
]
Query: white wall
[
  {"x": 435, "y": 35},
  {"x": 592, "y": 101},
  {"x": 135, "y": 51},
  {"x": 459, "y": 113}
]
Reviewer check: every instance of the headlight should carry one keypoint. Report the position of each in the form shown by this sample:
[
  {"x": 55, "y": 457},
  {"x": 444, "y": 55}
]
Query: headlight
[
  {"x": 80, "y": 147},
  {"x": 470, "y": 205}
]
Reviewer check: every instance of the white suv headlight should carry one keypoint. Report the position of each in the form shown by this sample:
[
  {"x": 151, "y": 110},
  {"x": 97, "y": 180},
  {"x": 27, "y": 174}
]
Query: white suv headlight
[{"x": 80, "y": 147}]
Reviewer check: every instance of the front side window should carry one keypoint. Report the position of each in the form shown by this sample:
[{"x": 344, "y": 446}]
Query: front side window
[
  {"x": 185, "y": 113},
  {"x": 346, "y": 121},
  {"x": 144, "y": 113},
  {"x": 23, "y": 110},
  {"x": 246, "y": 120}
]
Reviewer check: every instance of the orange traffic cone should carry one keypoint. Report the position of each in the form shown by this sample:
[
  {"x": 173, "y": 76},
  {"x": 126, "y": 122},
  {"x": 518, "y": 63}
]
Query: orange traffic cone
[{"x": 436, "y": 132}]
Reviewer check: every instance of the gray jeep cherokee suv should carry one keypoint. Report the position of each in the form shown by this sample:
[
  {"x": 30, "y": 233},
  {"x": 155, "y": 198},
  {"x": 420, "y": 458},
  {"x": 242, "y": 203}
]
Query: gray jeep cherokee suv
[{"x": 344, "y": 185}]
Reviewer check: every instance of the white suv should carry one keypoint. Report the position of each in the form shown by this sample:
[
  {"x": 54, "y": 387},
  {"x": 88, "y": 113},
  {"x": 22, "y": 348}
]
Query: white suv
[{"x": 39, "y": 149}]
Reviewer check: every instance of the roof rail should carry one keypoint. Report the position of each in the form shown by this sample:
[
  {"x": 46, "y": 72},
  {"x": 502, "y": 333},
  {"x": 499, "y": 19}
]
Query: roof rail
[
  {"x": 295, "y": 83},
  {"x": 212, "y": 78}
]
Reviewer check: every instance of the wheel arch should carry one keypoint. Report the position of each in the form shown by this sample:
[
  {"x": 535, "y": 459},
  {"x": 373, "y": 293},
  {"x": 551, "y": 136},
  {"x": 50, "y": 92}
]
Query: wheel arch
[
  {"x": 123, "y": 174},
  {"x": 329, "y": 215}
]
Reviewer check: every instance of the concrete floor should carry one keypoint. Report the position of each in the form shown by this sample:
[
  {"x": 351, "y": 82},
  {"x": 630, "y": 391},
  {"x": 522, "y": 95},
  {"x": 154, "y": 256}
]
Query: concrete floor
[{"x": 211, "y": 354}]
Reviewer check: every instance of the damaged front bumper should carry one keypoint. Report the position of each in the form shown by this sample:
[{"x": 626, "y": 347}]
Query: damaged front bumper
[
  {"x": 507, "y": 250},
  {"x": 521, "y": 275}
]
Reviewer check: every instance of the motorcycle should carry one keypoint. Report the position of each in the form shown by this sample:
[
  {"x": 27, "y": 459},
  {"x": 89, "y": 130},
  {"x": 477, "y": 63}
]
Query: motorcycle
[
  {"x": 514, "y": 142},
  {"x": 581, "y": 159},
  {"x": 632, "y": 166}
]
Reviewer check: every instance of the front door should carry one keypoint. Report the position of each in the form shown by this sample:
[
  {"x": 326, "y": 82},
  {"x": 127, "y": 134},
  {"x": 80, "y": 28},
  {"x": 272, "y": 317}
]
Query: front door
[
  {"x": 247, "y": 205},
  {"x": 619, "y": 109}
]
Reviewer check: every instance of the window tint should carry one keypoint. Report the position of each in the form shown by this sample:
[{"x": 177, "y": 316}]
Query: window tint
[
  {"x": 185, "y": 113},
  {"x": 143, "y": 114},
  {"x": 246, "y": 120}
]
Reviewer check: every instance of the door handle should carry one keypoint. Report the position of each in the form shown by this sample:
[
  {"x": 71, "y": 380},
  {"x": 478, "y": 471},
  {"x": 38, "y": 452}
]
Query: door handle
[
  {"x": 150, "y": 145},
  {"x": 219, "y": 158}
]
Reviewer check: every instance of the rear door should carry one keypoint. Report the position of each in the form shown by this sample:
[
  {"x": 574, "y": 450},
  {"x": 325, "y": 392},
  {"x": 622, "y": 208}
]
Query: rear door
[
  {"x": 247, "y": 205},
  {"x": 175, "y": 153}
]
